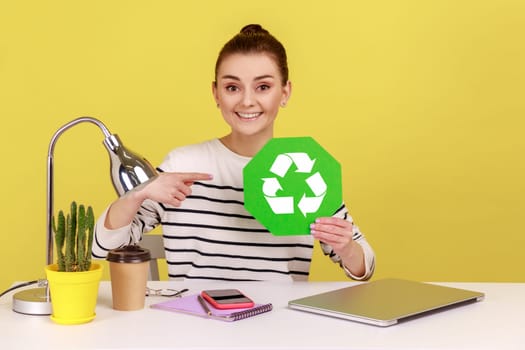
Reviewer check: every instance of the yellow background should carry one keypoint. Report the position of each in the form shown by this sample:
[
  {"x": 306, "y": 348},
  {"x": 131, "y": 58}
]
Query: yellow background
[{"x": 422, "y": 102}]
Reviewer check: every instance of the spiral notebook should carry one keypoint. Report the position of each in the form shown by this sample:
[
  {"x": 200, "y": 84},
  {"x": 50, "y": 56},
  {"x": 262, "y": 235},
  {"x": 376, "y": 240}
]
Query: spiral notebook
[{"x": 191, "y": 305}]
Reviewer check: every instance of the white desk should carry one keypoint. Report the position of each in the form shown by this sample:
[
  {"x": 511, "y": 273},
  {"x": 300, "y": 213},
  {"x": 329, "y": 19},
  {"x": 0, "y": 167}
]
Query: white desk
[{"x": 494, "y": 323}]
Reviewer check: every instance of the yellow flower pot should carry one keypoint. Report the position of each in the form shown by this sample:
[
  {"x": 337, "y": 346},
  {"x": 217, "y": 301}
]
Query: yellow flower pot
[{"x": 73, "y": 294}]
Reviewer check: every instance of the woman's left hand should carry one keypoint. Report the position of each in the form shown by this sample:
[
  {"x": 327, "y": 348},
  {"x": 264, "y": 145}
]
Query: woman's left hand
[
  {"x": 335, "y": 232},
  {"x": 338, "y": 234}
]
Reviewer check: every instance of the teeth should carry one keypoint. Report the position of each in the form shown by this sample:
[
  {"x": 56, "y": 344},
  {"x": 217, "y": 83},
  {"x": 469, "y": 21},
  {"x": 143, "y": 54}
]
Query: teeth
[{"x": 248, "y": 115}]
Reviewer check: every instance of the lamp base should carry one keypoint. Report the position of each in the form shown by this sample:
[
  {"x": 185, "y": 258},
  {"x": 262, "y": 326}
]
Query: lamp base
[{"x": 33, "y": 301}]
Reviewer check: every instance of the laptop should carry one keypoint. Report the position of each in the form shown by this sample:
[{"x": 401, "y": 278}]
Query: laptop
[{"x": 386, "y": 302}]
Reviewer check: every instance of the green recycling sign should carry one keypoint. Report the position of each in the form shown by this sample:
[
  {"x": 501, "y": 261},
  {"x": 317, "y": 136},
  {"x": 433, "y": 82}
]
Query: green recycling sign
[{"x": 289, "y": 183}]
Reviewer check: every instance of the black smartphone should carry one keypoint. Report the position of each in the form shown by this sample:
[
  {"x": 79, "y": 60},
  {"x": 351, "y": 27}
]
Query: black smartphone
[{"x": 227, "y": 298}]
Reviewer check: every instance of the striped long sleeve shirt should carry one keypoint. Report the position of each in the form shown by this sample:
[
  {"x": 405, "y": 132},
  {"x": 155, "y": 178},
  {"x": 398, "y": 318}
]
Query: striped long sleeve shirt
[{"x": 211, "y": 235}]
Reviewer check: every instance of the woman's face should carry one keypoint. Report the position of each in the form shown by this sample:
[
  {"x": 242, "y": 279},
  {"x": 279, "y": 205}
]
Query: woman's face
[{"x": 249, "y": 92}]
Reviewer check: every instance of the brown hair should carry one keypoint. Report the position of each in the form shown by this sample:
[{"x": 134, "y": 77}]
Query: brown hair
[{"x": 255, "y": 39}]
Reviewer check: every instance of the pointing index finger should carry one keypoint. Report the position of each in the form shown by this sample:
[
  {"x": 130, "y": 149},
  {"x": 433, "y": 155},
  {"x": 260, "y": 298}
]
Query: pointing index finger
[{"x": 190, "y": 177}]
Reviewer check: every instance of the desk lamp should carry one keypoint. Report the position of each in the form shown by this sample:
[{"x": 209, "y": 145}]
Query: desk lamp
[{"x": 128, "y": 170}]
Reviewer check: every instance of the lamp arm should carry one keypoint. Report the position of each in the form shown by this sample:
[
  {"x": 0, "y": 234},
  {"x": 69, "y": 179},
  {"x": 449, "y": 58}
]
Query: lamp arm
[
  {"x": 66, "y": 126},
  {"x": 50, "y": 175}
]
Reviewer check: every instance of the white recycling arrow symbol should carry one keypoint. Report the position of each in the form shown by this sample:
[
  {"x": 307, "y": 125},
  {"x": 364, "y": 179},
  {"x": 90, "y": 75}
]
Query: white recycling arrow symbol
[
  {"x": 285, "y": 205},
  {"x": 279, "y": 205}
]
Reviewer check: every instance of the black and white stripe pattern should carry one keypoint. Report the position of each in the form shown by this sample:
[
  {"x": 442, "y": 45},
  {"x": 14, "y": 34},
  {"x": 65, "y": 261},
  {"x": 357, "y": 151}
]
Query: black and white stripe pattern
[{"x": 213, "y": 236}]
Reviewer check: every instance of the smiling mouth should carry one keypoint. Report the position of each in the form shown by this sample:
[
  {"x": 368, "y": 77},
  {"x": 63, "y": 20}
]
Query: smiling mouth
[{"x": 248, "y": 115}]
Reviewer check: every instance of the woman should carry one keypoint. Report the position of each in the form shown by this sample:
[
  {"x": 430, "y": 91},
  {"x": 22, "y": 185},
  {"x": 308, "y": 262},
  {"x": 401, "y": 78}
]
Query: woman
[{"x": 198, "y": 196}]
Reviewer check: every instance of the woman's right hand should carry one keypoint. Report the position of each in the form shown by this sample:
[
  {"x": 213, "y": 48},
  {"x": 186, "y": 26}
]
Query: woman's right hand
[
  {"x": 167, "y": 188},
  {"x": 171, "y": 188}
]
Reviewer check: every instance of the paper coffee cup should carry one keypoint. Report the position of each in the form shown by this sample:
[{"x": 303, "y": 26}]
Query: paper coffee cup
[{"x": 128, "y": 267}]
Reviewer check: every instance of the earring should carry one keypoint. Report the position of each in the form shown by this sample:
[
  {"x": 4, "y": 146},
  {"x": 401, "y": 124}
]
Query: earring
[
  {"x": 217, "y": 105},
  {"x": 283, "y": 104}
]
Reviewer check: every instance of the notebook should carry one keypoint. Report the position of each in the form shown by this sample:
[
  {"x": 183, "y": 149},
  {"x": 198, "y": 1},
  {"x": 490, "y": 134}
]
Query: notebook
[
  {"x": 191, "y": 305},
  {"x": 385, "y": 302}
]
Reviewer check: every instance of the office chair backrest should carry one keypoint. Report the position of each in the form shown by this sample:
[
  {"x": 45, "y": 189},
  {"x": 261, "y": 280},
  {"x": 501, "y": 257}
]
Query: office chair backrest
[{"x": 155, "y": 244}]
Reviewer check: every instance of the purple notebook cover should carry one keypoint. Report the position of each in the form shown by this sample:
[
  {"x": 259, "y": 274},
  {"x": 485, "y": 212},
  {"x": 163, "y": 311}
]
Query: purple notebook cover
[{"x": 190, "y": 305}]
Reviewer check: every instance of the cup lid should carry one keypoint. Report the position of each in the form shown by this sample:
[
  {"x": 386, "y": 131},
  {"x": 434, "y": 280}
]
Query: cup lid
[{"x": 129, "y": 254}]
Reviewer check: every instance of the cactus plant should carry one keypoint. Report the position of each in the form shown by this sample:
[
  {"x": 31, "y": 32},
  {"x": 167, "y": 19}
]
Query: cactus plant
[{"x": 73, "y": 238}]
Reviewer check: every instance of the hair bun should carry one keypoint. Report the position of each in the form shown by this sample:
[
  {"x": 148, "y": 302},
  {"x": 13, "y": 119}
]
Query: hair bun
[{"x": 254, "y": 29}]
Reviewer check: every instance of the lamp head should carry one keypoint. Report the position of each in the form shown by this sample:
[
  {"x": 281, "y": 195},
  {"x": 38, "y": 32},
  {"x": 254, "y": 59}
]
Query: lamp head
[{"x": 128, "y": 169}]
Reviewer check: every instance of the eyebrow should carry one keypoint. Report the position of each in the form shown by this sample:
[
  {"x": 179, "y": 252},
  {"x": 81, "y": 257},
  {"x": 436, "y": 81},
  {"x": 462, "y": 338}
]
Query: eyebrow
[{"x": 261, "y": 77}]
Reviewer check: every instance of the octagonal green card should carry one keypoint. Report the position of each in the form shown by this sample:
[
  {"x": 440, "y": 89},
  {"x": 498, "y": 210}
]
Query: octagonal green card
[{"x": 289, "y": 183}]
